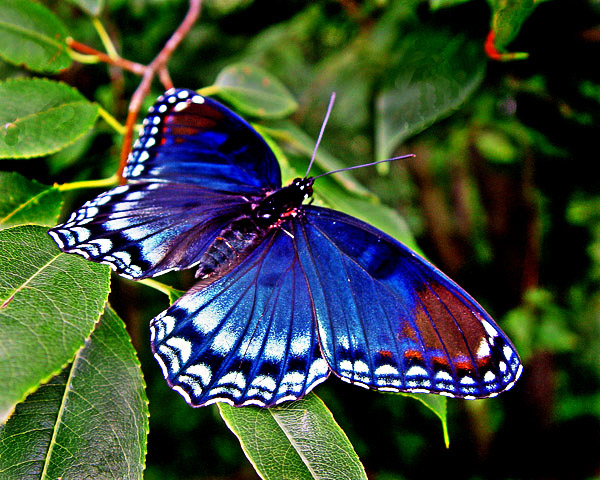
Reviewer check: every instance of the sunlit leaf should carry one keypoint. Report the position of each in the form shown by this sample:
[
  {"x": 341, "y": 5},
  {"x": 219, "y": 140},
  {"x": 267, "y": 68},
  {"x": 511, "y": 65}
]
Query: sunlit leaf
[
  {"x": 27, "y": 201},
  {"x": 32, "y": 36},
  {"x": 252, "y": 91},
  {"x": 54, "y": 116},
  {"x": 49, "y": 302},
  {"x": 298, "y": 440},
  {"x": 90, "y": 421}
]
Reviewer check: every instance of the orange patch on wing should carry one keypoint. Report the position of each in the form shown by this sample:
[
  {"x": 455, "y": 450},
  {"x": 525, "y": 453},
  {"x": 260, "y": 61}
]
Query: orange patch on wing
[
  {"x": 413, "y": 355},
  {"x": 440, "y": 361}
]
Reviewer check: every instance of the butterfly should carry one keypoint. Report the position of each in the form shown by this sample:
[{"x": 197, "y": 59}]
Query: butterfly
[{"x": 287, "y": 292}]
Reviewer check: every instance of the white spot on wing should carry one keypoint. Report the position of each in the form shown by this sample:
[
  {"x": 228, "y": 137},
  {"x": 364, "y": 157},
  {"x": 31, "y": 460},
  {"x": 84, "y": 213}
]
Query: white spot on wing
[
  {"x": 385, "y": 370},
  {"x": 181, "y": 345},
  {"x": 224, "y": 342},
  {"x": 202, "y": 371},
  {"x": 180, "y": 106},
  {"x": 484, "y": 349},
  {"x": 416, "y": 371}
]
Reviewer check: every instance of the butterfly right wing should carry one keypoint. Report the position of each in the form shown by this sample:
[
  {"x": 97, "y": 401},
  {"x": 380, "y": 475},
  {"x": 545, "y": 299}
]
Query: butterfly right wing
[
  {"x": 391, "y": 321},
  {"x": 146, "y": 229}
]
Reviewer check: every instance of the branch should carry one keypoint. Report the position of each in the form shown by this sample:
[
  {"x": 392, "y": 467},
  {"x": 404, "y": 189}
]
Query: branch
[
  {"x": 158, "y": 65},
  {"x": 78, "y": 47}
]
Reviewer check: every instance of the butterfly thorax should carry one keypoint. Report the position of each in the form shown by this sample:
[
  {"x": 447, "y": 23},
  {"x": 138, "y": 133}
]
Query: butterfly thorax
[
  {"x": 244, "y": 233},
  {"x": 274, "y": 208}
]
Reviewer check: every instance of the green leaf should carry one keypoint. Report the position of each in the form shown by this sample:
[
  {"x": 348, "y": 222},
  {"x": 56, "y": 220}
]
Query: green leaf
[
  {"x": 32, "y": 36},
  {"x": 298, "y": 440},
  {"x": 92, "y": 7},
  {"x": 90, "y": 421},
  {"x": 438, "y": 4},
  {"x": 53, "y": 116},
  {"x": 496, "y": 147},
  {"x": 27, "y": 201},
  {"x": 252, "y": 91},
  {"x": 49, "y": 302},
  {"x": 435, "y": 79},
  {"x": 507, "y": 18},
  {"x": 438, "y": 405},
  {"x": 296, "y": 139}
]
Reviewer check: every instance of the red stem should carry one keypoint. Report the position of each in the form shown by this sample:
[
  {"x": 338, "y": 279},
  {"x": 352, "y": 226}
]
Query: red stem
[
  {"x": 157, "y": 65},
  {"x": 133, "y": 67}
]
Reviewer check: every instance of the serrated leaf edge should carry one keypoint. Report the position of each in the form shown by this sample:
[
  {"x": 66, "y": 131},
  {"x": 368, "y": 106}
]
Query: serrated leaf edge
[{"x": 29, "y": 391}]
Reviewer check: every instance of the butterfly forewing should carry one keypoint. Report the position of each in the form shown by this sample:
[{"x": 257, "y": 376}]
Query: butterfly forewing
[
  {"x": 145, "y": 229},
  {"x": 188, "y": 138},
  {"x": 193, "y": 169}
]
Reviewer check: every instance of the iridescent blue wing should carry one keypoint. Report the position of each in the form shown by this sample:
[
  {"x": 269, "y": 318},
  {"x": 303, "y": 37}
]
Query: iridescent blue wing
[
  {"x": 247, "y": 338},
  {"x": 195, "y": 166},
  {"x": 188, "y": 138},
  {"x": 146, "y": 229},
  {"x": 391, "y": 321}
]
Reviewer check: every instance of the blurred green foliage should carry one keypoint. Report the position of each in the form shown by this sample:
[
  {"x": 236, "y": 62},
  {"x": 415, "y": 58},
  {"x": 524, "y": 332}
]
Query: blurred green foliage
[{"x": 502, "y": 196}]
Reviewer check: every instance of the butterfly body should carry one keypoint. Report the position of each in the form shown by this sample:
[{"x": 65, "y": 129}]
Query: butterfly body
[
  {"x": 244, "y": 233},
  {"x": 287, "y": 292}
]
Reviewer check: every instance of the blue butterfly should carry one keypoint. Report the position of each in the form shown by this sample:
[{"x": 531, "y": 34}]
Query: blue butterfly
[{"x": 287, "y": 292}]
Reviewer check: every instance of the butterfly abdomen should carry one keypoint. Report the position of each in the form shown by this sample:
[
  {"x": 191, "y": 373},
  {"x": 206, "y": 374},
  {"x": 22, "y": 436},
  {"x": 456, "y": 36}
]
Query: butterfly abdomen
[{"x": 234, "y": 242}]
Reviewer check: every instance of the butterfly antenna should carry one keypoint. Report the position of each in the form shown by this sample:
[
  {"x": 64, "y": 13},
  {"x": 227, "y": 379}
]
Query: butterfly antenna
[
  {"x": 410, "y": 155},
  {"x": 329, "y": 108}
]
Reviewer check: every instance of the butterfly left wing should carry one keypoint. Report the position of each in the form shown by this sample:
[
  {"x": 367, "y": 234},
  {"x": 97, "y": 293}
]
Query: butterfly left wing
[
  {"x": 391, "y": 321},
  {"x": 246, "y": 338},
  {"x": 196, "y": 166},
  {"x": 146, "y": 229}
]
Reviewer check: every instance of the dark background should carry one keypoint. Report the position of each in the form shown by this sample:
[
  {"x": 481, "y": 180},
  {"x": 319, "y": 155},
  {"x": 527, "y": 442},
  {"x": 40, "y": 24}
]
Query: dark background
[{"x": 503, "y": 196}]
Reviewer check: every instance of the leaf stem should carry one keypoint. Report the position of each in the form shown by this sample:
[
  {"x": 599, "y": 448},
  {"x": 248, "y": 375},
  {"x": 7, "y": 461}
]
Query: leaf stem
[
  {"x": 83, "y": 58},
  {"x": 161, "y": 287},
  {"x": 105, "y": 39},
  {"x": 112, "y": 121},
  {"x": 105, "y": 182},
  {"x": 76, "y": 48}
]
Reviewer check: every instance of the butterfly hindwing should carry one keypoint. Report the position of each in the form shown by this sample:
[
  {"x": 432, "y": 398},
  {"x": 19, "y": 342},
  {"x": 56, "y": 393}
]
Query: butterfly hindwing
[
  {"x": 389, "y": 320},
  {"x": 188, "y": 138},
  {"x": 247, "y": 338}
]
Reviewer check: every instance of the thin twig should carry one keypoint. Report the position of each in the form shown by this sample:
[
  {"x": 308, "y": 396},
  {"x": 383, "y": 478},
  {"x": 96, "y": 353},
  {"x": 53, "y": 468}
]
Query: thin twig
[
  {"x": 133, "y": 67},
  {"x": 157, "y": 65}
]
